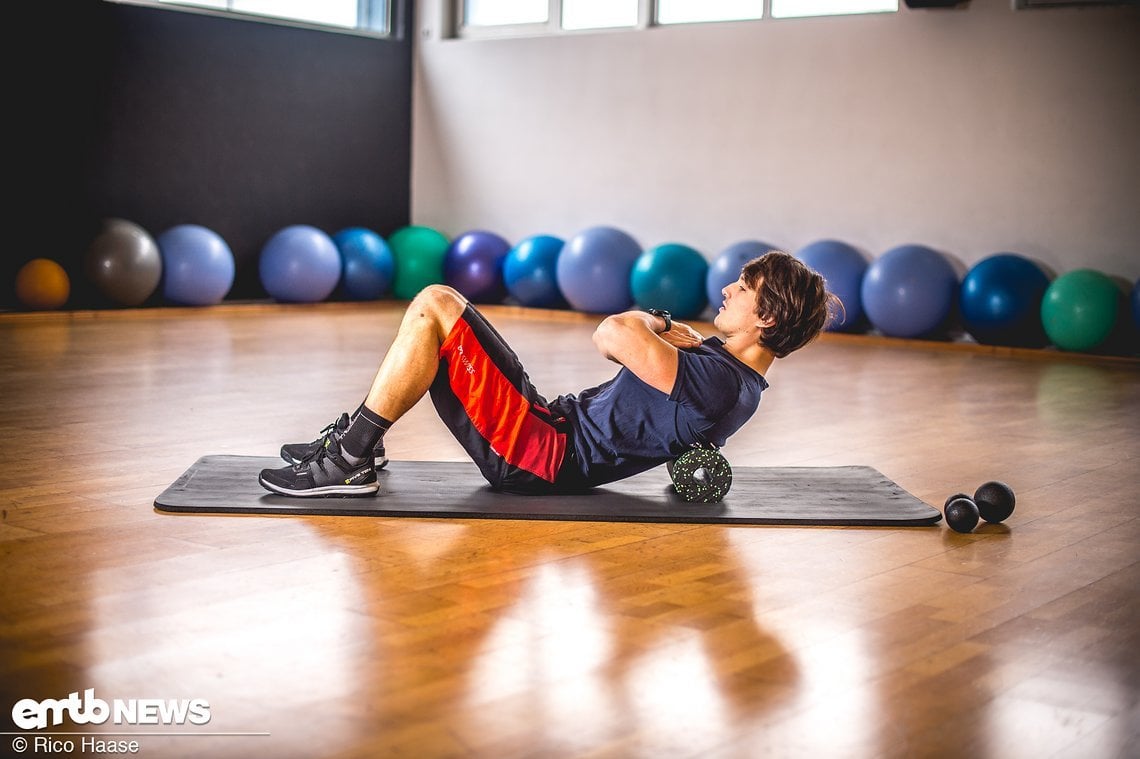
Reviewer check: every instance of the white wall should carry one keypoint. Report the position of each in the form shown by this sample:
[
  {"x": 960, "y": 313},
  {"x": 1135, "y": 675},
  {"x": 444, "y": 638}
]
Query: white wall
[{"x": 973, "y": 130}]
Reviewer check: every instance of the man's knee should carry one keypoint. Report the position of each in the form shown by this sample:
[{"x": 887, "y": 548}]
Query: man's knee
[
  {"x": 440, "y": 298},
  {"x": 442, "y": 303}
]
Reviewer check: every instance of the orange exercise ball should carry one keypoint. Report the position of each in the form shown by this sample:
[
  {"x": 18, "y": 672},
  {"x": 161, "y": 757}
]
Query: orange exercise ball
[{"x": 42, "y": 284}]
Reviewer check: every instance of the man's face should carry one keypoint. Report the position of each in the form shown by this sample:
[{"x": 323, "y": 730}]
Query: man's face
[{"x": 738, "y": 312}]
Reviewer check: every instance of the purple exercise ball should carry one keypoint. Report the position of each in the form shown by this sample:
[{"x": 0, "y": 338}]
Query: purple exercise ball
[{"x": 473, "y": 265}]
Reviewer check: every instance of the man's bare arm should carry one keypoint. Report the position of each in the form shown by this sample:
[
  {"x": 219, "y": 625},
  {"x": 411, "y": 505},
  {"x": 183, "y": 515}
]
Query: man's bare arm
[{"x": 631, "y": 339}]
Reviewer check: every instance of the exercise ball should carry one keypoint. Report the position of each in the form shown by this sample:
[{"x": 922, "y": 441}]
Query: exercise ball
[
  {"x": 1079, "y": 309},
  {"x": 530, "y": 271},
  {"x": 842, "y": 268},
  {"x": 300, "y": 264},
  {"x": 1001, "y": 301},
  {"x": 197, "y": 265},
  {"x": 725, "y": 268},
  {"x": 671, "y": 277},
  {"x": 369, "y": 265},
  {"x": 123, "y": 263},
  {"x": 594, "y": 267},
  {"x": 909, "y": 291},
  {"x": 419, "y": 253},
  {"x": 42, "y": 285},
  {"x": 473, "y": 265},
  {"x": 1136, "y": 304}
]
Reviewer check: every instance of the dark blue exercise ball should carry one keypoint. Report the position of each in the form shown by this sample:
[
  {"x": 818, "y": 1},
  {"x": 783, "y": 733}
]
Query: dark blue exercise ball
[
  {"x": 530, "y": 272},
  {"x": 842, "y": 267},
  {"x": 725, "y": 268},
  {"x": 473, "y": 265},
  {"x": 1001, "y": 301},
  {"x": 594, "y": 269},
  {"x": 197, "y": 265},
  {"x": 909, "y": 291},
  {"x": 369, "y": 266}
]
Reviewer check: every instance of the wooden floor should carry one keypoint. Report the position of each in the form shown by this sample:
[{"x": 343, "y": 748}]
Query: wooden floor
[{"x": 355, "y": 637}]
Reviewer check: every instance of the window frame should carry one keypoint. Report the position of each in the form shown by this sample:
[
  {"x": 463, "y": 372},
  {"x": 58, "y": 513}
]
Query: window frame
[
  {"x": 646, "y": 19},
  {"x": 390, "y": 11}
]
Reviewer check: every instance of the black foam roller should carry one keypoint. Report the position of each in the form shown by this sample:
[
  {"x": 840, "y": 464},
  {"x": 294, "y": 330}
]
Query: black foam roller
[{"x": 701, "y": 475}]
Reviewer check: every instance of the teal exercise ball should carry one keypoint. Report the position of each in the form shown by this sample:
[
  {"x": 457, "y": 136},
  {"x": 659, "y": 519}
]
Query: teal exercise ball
[
  {"x": 1079, "y": 309},
  {"x": 670, "y": 277},
  {"x": 420, "y": 252}
]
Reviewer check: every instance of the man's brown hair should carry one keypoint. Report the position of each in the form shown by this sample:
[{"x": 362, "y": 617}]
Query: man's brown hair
[{"x": 793, "y": 296}]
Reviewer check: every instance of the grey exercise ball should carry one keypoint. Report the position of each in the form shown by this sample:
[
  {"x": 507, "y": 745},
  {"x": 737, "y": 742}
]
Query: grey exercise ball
[{"x": 124, "y": 263}]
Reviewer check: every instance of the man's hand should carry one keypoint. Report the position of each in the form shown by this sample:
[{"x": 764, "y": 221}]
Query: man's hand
[{"x": 682, "y": 336}]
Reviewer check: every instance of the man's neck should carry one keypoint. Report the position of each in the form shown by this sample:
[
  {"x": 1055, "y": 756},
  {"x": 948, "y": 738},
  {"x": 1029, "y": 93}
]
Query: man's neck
[{"x": 745, "y": 348}]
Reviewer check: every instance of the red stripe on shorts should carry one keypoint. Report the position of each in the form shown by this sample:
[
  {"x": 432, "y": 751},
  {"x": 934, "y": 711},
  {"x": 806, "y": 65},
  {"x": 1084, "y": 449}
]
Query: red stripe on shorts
[{"x": 497, "y": 409}]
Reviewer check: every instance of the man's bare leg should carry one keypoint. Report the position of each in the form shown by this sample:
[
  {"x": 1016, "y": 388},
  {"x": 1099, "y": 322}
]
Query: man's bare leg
[
  {"x": 343, "y": 463},
  {"x": 409, "y": 367}
]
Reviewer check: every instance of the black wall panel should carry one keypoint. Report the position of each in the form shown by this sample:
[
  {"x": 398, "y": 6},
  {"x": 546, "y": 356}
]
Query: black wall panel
[{"x": 164, "y": 117}]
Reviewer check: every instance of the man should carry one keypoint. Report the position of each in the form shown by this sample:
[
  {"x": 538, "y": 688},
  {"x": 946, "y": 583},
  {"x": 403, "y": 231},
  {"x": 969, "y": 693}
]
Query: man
[{"x": 675, "y": 389}]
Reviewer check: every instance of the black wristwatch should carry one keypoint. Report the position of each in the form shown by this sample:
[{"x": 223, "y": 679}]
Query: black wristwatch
[{"x": 664, "y": 315}]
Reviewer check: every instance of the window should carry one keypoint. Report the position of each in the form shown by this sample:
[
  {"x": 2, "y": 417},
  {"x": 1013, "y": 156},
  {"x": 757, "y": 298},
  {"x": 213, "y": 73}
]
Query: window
[
  {"x": 599, "y": 14},
  {"x": 490, "y": 17},
  {"x": 500, "y": 13},
  {"x": 689, "y": 11},
  {"x": 366, "y": 16},
  {"x": 797, "y": 8}
]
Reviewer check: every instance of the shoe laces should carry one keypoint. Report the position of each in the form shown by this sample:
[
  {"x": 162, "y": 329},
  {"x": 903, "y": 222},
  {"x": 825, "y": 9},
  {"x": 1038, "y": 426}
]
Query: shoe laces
[
  {"x": 330, "y": 450},
  {"x": 330, "y": 432}
]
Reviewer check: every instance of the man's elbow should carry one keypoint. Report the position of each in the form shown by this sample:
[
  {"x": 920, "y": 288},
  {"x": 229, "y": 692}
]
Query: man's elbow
[{"x": 608, "y": 336}]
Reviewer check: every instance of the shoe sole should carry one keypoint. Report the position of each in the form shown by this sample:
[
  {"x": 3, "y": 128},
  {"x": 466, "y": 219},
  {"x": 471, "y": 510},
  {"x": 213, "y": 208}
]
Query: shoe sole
[{"x": 325, "y": 491}]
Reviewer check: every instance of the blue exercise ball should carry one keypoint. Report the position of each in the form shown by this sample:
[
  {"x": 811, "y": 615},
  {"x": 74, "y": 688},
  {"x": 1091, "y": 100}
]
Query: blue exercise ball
[
  {"x": 671, "y": 277},
  {"x": 197, "y": 265},
  {"x": 594, "y": 267},
  {"x": 725, "y": 268},
  {"x": 369, "y": 265},
  {"x": 473, "y": 265},
  {"x": 300, "y": 264},
  {"x": 842, "y": 268},
  {"x": 530, "y": 271},
  {"x": 1000, "y": 300},
  {"x": 909, "y": 291}
]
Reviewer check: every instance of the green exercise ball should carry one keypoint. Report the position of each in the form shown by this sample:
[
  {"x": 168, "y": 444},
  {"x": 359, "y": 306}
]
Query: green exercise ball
[
  {"x": 1079, "y": 309},
  {"x": 419, "y": 254}
]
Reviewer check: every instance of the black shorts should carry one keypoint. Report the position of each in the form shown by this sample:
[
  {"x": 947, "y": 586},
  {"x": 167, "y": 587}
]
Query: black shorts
[{"x": 484, "y": 396}]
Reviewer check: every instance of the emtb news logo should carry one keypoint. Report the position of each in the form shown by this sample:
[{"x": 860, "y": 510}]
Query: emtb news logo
[{"x": 29, "y": 714}]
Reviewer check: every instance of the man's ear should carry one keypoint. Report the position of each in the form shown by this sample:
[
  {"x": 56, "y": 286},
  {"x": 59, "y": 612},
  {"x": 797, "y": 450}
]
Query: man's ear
[{"x": 766, "y": 322}]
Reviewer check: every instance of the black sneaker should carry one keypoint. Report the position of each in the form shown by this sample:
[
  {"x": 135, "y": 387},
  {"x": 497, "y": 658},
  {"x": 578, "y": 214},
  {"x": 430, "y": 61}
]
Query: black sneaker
[
  {"x": 295, "y": 453},
  {"x": 326, "y": 473}
]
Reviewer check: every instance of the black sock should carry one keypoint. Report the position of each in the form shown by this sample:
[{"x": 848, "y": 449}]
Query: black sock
[{"x": 363, "y": 433}]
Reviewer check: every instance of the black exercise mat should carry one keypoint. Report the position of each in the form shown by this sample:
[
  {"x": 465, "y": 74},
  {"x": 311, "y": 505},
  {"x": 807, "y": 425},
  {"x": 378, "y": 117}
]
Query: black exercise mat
[{"x": 849, "y": 495}]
